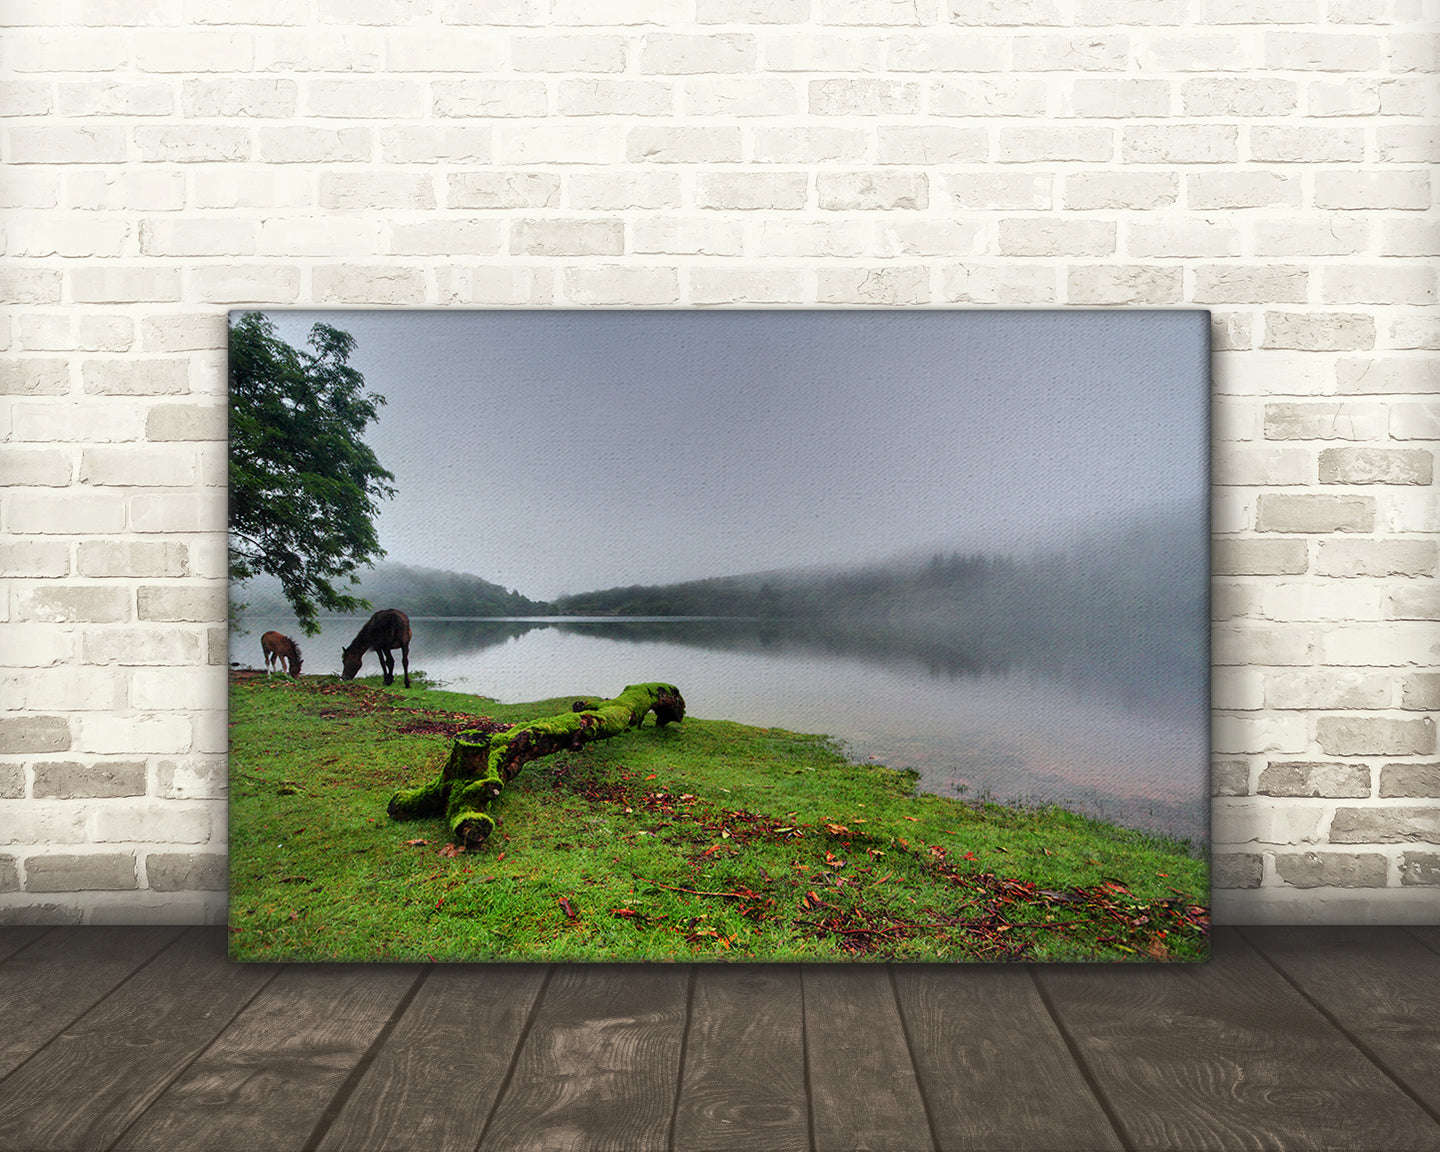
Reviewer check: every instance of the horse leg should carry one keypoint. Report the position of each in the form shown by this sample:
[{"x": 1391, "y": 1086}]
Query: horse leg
[
  {"x": 405, "y": 659},
  {"x": 387, "y": 664}
]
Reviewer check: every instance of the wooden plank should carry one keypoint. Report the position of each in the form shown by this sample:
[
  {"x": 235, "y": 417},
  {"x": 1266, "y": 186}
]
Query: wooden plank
[
  {"x": 863, "y": 1089},
  {"x": 265, "y": 1083},
  {"x": 94, "y": 1079},
  {"x": 744, "y": 1078},
  {"x": 1381, "y": 985},
  {"x": 1226, "y": 1055},
  {"x": 61, "y": 976},
  {"x": 15, "y": 937},
  {"x": 436, "y": 1079},
  {"x": 994, "y": 1069},
  {"x": 599, "y": 1067}
]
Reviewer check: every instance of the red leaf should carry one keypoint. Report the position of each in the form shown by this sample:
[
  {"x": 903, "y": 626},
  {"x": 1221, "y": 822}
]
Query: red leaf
[
  {"x": 568, "y": 908},
  {"x": 414, "y": 843}
]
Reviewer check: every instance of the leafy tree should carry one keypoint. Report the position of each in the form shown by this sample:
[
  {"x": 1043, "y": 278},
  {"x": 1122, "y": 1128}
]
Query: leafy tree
[{"x": 304, "y": 486}]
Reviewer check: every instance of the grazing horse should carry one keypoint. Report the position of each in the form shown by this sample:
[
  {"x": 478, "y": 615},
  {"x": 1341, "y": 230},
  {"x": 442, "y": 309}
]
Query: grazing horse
[
  {"x": 387, "y": 629},
  {"x": 278, "y": 647}
]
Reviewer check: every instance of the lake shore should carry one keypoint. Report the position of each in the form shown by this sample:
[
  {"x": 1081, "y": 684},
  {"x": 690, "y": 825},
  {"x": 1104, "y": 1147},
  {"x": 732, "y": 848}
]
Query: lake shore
[{"x": 703, "y": 840}]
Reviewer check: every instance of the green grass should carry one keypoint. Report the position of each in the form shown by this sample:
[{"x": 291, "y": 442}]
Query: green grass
[{"x": 704, "y": 840}]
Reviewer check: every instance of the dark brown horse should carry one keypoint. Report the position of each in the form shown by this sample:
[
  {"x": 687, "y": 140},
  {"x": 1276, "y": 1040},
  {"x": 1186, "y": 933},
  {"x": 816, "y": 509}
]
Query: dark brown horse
[
  {"x": 387, "y": 629},
  {"x": 278, "y": 647}
]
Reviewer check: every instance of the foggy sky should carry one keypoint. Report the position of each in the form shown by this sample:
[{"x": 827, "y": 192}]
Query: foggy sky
[{"x": 564, "y": 451}]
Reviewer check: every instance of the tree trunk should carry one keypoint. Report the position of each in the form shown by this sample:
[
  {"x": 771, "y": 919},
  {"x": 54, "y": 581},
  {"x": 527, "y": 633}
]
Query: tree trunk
[{"x": 481, "y": 764}]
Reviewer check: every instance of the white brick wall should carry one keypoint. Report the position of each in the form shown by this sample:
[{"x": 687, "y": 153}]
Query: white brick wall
[{"x": 1271, "y": 160}]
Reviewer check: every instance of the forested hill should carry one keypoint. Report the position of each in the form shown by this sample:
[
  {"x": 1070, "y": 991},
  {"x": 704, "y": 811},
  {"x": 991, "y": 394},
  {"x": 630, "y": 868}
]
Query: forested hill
[{"x": 417, "y": 591}]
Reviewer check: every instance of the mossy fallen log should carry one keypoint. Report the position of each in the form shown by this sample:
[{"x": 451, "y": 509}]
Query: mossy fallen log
[{"x": 482, "y": 763}]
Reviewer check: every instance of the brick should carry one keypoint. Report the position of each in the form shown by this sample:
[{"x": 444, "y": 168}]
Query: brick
[
  {"x": 874, "y": 285},
  {"x": 622, "y": 284},
  {"x": 503, "y": 190},
  {"x": 1420, "y": 868},
  {"x": 183, "y": 333},
  {"x": 160, "y": 689},
  {"x": 1375, "y": 736},
  {"x": 192, "y": 50},
  {"x": 1333, "y": 869},
  {"x": 1380, "y": 645},
  {"x": 1238, "y": 96},
  {"x": 1095, "y": 52},
  {"x": 511, "y": 96},
  {"x": 1284, "y": 512},
  {"x": 1300, "y": 144},
  {"x": 745, "y": 285},
  {"x": 752, "y": 190},
  {"x": 375, "y": 190},
  {"x": 1180, "y": 144},
  {"x": 191, "y": 143},
  {"x": 430, "y": 144},
  {"x": 1230, "y": 778},
  {"x": 1372, "y": 190},
  {"x": 36, "y": 237},
  {"x": 1107, "y": 98},
  {"x": 1390, "y": 283},
  {"x": 560, "y": 53},
  {"x": 1342, "y": 420},
  {"x": 1262, "y": 465},
  {"x": 132, "y": 285},
  {"x": 552, "y": 237},
  {"x": 1027, "y": 145},
  {"x": 69, "y": 144},
  {"x": 752, "y": 11},
  {"x": 1006, "y": 13},
  {"x": 1349, "y": 558},
  {"x": 185, "y": 422},
  {"x": 1002, "y": 191},
  {"x": 342, "y": 50},
  {"x": 1408, "y": 144},
  {"x": 107, "y": 734},
  {"x": 864, "y": 96},
  {"x": 1413, "y": 330},
  {"x": 44, "y": 913},
  {"x": 987, "y": 96},
  {"x": 304, "y": 144},
  {"x": 236, "y": 96},
  {"x": 1330, "y": 234},
  {"x": 186, "y": 871},
  {"x": 910, "y": 237},
  {"x": 871, "y": 12},
  {"x": 1410, "y": 781},
  {"x": 150, "y": 376},
  {"x": 1121, "y": 284},
  {"x": 1329, "y": 689},
  {"x": 1267, "y": 821},
  {"x": 1267, "y": 284},
  {"x": 1321, "y": 52},
  {"x": 23, "y": 734},
  {"x": 771, "y": 96},
  {"x": 1261, "y": 644},
  {"x": 191, "y": 779},
  {"x": 171, "y": 603},
  {"x": 1242, "y": 189},
  {"x": 593, "y": 97},
  {"x": 1048, "y": 236},
  {"x": 91, "y": 872},
  {"x": 1189, "y": 239},
  {"x": 1258, "y": 557},
  {"x": 1386, "y": 825},
  {"x": 683, "y": 145},
  {"x": 446, "y": 238},
  {"x": 814, "y": 51},
  {"x": 1410, "y": 236},
  {"x": 624, "y": 189},
  {"x": 998, "y": 284},
  {"x": 34, "y": 467},
  {"x": 72, "y": 780},
  {"x": 1376, "y": 466},
  {"x": 65, "y": 513},
  {"x": 359, "y": 284},
  {"x": 930, "y": 144},
  {"x": 1139, "y": 190},
  {"x": 1236, "y": 870},
  {"x": 251, "y": 186},
  {"x": 34, "y": 558},
  {"x": 675, "y": 54},
  {"x": 29, "y": 285},
  {"x": 807, "y": 145},
  {"x": 1314, "y": 778},
  {"x": 1420, "y": 692},
  {"x": 686, "y": 236},
  {"x": 1197, "y": 51},
  {"x": 9, "y": 874},
  {"x": 872, "y": 190},
  {"x": 69, "y": 604},
  {"x": 366, "y": 97},
  {"x": 133, "y": 646},
  {"x": 336, "y": 235}
]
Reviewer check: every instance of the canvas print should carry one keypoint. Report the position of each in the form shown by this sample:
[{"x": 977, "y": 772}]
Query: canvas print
[{"x": 719, "y": 636}]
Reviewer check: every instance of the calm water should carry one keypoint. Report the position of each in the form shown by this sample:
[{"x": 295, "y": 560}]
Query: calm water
[{"x": 1118, "y": 743}]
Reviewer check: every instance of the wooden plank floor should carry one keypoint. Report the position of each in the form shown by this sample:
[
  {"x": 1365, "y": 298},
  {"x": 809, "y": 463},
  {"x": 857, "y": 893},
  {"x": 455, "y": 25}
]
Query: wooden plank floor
[{"x": 1290, "y": 1038}]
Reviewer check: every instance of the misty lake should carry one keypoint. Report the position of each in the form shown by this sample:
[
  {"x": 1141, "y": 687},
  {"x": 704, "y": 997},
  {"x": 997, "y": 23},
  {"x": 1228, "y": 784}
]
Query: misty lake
[{"x": 1130, "y": 748}]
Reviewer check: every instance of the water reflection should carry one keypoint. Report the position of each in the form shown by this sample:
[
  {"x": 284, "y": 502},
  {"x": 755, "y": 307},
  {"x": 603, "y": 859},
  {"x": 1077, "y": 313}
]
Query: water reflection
[{"x": 975, "y": 715}]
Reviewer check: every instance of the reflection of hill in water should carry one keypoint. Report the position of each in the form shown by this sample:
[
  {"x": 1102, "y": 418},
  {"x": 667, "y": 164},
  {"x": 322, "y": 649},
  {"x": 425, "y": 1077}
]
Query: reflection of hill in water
[{"x": 1131, "y": 675}]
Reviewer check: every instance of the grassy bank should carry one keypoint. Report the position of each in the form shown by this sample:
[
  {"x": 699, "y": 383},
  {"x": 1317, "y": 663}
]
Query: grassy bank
[{"x": 705, "y": 840}]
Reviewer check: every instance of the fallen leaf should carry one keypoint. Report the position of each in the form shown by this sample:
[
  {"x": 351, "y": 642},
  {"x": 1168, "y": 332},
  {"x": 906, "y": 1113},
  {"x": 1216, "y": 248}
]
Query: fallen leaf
[
  {"x": 415, "y": 843},
  {"x": 568, "y": 908}
]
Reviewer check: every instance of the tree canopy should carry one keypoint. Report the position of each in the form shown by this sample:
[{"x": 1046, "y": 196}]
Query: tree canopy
[{"x": 304, "y": 486}]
